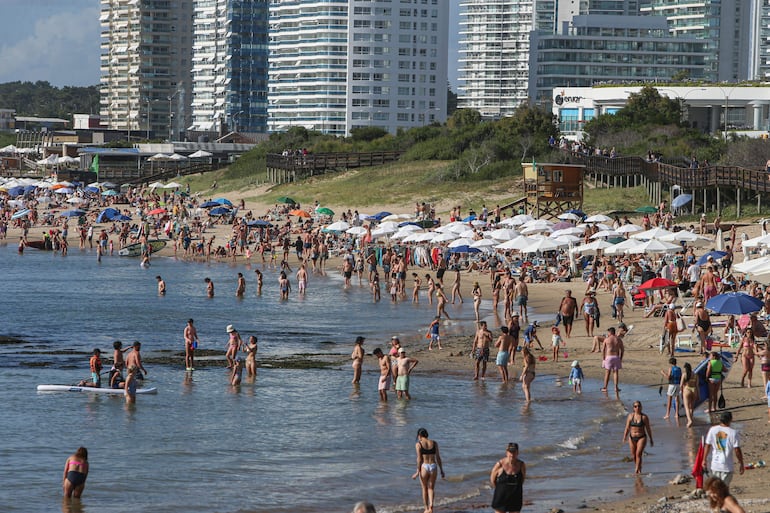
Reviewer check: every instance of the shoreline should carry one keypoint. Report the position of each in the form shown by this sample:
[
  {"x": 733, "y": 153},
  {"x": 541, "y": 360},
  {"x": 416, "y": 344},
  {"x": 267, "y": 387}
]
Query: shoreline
[{"x": 641, "y": 364}]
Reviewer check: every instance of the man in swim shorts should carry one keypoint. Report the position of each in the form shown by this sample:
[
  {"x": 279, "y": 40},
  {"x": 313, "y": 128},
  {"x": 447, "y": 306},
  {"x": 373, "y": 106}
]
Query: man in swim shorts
[
  {"x": 504, "y": 344},
  {"x": 481, "y": 343},
  {"x": 567, "y": 310},
  {"x": 522, "y": 295},
  {"x": 403, "y": 369},
  {"x": 612, "y": 357},
  {"x": 385, "y": 374}
]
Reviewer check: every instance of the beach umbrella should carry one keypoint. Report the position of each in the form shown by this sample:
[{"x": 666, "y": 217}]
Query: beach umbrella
[
  {"x": 592, "y": 248},
  {"x": 621, "y": 247},
  {"x": 735, "y": 303},
  {"x": 520, "y": 219},
  {"x": 658, "y": 283},
  {"x": 569, "y": 216},
  {"x": 324, "y": 211},
  {"x": 380, "y": 232},
  {"x": 762, "y": 240},
  {"x": 223, "y": 201},
  {"x": 654, "y": 246},
  {"x": 409, "y": 228},
  {"x": 562, "y": 225},
  {"x": 92, "y": 190},
  {"x": 646, "y": 210},
  {"x": 464, "y": 249},
  {"x": 339, "y": 226},
  {"x": 478, "y": 222},
  {"x": 219, "y": 211},
  {"x": 107, "y": 214},
  {"x": 73, "y": 213},
  {"x": 484, "y": 243},
  {"x": 158, "y": 157},
  {"x": 572, "y": 232},
  {"x": 110, "y": 192},
  {"x": 108, "y": 185},
  {"x": 539, "y": 245},
  {"x": 752, "y": 265},
  {"x": 388, "y": 225},
  {"x": 16, "y": 191},
  {"x": 300, "y": 213},
  {"x": 64, "y": 190},
  {"x": 156, "y": 185},
  {"x": 397, "y": 217},
  {"x": 522, "y": 241},
  {"x": 597, "y": 218},
  {"x": 257, "y": 223},
  {"x": 356, "y": 230},
  {"x": 462, "y": 241},
  {"x": 568, "y": 239},
  {"x": 157, "y": 211},
  {"x": 716, "y": 255},
  {"x": 605, "y": 234},
  {"x": 172, "y": 185},
  {"x": 176, "y": 156},
  {"x": 444, "y": 237},
  {"x": 681, "y": 200},
  {"x": 120, "y": 217},
  {"x": 75, "y": 200},
  {"x": 655, "y": 233},
  {"x": 201, "y": 154},
  {"x": 502, "y": 234},
  {"x": 468, "y": 234},
  {"x": 379, "y": 216},
  {"x": 20, "y": 213},
  {"x": 629, "y": 228},
  {"x": 209, "y": 204},
  {"x": 286, "y": 200},
  {"x": 469, "y": 218}
]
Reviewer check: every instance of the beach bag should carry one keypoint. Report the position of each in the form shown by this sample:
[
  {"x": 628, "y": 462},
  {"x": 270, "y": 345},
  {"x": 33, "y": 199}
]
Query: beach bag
[{"x": 680, "y": 325}]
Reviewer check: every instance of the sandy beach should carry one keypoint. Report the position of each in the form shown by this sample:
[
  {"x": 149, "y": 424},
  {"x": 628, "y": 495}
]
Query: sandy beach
[{"x": 641, "y": 365}]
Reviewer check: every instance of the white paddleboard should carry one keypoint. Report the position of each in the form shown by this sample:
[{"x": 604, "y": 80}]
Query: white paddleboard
[{"x": 93, "y": 390}]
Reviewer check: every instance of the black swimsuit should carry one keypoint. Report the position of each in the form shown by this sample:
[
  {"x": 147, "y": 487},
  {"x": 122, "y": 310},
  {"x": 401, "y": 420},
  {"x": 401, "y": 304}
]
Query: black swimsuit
[
  {"x": 638, "y": 424},
  {"x": 432, "y": 450}
]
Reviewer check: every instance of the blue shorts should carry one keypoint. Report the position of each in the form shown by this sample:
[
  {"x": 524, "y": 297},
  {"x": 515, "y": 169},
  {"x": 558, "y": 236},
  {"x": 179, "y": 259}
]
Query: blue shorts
[
  {"x": 502, "y": 358},
  {"x": 95, "y": 377}
]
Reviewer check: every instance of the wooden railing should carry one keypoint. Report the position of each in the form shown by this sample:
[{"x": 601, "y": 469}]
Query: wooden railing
[{"x": 286, "y": 168}]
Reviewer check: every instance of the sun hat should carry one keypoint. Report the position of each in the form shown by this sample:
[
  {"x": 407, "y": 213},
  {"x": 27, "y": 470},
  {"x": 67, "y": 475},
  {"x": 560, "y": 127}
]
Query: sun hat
[
  {"x": 230, "y": 328},
  {"x": 402, "y": 350},
  {"x": 575, "y": 363}
]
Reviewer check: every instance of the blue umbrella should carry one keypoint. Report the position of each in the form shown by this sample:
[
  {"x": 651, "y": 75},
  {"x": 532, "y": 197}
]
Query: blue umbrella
[
  {"x": 73, "y": 213},
  {"x": 715, "y": 254},
  {"x": 16, "y": 191},
  {"x": 223, "y": 201},
  {"x": 91, "y": 189},
  {"x": 219, "y": 211},
  {"x": 681, "y": 200},
  {"x": 107, "y": 215},
  {"x": 464, "y": 249},
  {"x": 469, "y": 219},
  {"x": 259, "y": 223},
  {"x": 120, "y": 217},
  {"x": 409, "y": 223},
  {"x": 210, "y": 204},
  {"x": 735, "y": 303},
  {"x": 380, "y": 216},
  {"x": 29, "y": 188}
]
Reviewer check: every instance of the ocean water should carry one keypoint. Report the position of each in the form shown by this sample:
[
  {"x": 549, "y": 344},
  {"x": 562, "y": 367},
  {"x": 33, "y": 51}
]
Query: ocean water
[{"x": 292, "y": 440}]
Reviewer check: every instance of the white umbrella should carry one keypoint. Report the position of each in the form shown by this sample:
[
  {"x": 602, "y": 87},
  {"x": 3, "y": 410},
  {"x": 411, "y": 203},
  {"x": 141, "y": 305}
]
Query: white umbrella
[
  {"x": 520, "y": 219},
  {"x": 380, "y": 231},
  {"x": 752, "y": 265},
  {"x": 356, "y": 230},
  {"x": 689, "y": 237},
  {"x": 592, "y": 248},
  {"x": 755, "y": 242},
  {"x": 468, "y": 234},
  {"x": 410, "y": 228},
  {"x": 424, "y": 237},
  {"x": 608, "y": 233},
  {"x": 630, "y": 228},
  {"x": 654, "y": 246},
  {"x": 518, "y": 243},
  {"x": 397, "y": 217},
  {"x": 176, "y": 156},
  {"x": 158, "y": 157},
  {"x": 509, "y": 221},
  {"x": 388, "y": 225},
  {"x": 462, "y": 241},
  {"x": 75, "y": 200},
  {"x": 502, "y": 234},
  {"x": 408, "y": 237},
  {"x": 9, "y": 149},
  {"x": 655, "y": 233},
  {"x": 156, "y": 185},
  {"x": 620, "y": 248},
  {"x": 339, "y": 226},
  {"x": 457, "y": 228},
  {"x": 200, "y": 154},
  {"x": 598, "y": 218},
  {"x": 478, "y": 222},
  {"x": 172, "y": 185},
  {"x": 444, "y": 237},
  {"x": 569, "y": 216},
  {"x": 538, "y": 227},
  {"x": 569, "y": 239},
  {"x": 543, "y": 244},
  {"x": 574, "y": 231},
  {"x": 483, "y": 243}
]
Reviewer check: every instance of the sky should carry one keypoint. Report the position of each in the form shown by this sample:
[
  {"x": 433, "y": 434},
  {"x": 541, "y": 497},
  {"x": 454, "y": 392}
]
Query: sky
[{"x": 58, "y": 41}]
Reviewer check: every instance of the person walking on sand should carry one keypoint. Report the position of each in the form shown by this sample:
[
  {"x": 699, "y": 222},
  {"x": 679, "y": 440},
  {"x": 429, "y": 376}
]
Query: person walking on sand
[
  {"x": 480, "y": 350},
  {"x": 522, "y": 296},
  {"x": 161, "y": 286},
  {"x": 507, "y": 479},
  {"x": 441, "y": 301},
  {"x": 590, "y": 312},
  {"x": 190, "y": 344},
  {"x": 567, "y": 309},
  {"x": 428, "y": 466},
  {"x": 234, "y": 345},
  {"x": 714, "y": 375},
  {"x": 504, "y": 344},
  {"x": 527, "y": 373},
  {"x": 75, "y": 474},
  {"x": 674, "y": 377},
  {"x": 722, "y": 442},
  {"x": 477, "y": 300},
  {"x": 456, "y": 286},
  {"x": 612, "y": 358},
  {"x": 637, "y": 431},
  {"x": 385, "y": 374},
  {"x": 403, "y": 370},
  {"x": 241, "y": 288},
  {"x": 358, "y": 359}
]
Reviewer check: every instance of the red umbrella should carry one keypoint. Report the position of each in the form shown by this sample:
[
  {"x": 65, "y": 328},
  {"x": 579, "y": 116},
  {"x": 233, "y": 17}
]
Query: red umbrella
[
  {"x": 299, "y": 213},
  {"x": 156, "y": 211},
  {"x": 697, "y": 468},
  {"x": 658, "y": 283}
]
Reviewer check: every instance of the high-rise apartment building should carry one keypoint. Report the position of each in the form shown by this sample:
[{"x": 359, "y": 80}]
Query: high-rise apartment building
[
  {"x": 146, "y": 52},
  {"x": 229, "y": 66},
  {"x": 339, "y": 64}
]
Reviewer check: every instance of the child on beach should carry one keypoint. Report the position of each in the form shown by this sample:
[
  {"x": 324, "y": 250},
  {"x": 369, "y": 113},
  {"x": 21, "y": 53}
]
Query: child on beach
[
  {"x": 576, "y": 377},
  {"x": 674, "y": 377},
  {"x": 235, "y": 377},
  {"x": 433, "y": 332},
  {"x": 555, "y": 342}
]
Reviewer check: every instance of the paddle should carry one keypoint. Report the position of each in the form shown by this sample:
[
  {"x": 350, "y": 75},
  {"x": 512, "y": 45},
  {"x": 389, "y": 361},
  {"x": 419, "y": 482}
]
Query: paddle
[
  {"x": 721, "y": 403},
  {"x": 660, "y": 388}
]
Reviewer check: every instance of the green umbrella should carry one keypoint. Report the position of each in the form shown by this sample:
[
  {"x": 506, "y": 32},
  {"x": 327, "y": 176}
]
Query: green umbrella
[
  {"x": 647, "y": 210},
  {"x": 288, "y": 201},
  {"x": 325, "y": 211}
]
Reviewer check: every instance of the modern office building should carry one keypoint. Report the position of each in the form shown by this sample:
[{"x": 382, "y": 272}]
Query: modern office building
[
  {"x": 730, "y": 28},
  {"x": 339, "y": 65},
  {"x": 593, "y": 49},
  {"x": 229, "y": 66},
  {"x": 145, "y": 66}
]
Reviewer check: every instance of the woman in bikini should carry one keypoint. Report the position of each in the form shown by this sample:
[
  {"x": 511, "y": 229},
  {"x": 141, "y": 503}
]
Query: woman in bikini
[
  {"x": 527, "y": 372},
  {"x": 358, "y": 359},
  {"x": 476, "y": 299},
  {"x": 497, "y": 286},
  {"x": 703, "y": 325},
  {"x": 689, "y": 386},
  {"x": 234, "y": 344},
  {"x": 637, "y": 431},
  {"x": 441, "y": 301},
  {"x": 416, "y": 288},
  {"x": 746, "y": 352},
  {"x": 251, "y": 356},
  {"x": 75, "y": 473},
  {"x": 431, "y": 288},
  {"x": 428, "y": 467}
]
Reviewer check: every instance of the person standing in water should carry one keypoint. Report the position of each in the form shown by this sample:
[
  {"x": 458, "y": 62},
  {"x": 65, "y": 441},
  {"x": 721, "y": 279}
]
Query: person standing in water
[
  {"x": 75, "y": 473},
  {"x": 507, "y": 479},
  {"x": 358, "y": 359},
  {"x": 251, "y": 356},
  {"x": 190, "y": 343},
  {"x": 428, "y": 466},
  {"x": 637, "y": 431}
]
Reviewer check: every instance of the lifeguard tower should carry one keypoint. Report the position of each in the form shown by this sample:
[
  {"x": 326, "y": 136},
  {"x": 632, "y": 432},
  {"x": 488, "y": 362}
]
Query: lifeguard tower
[{"x": 553, "y": 188}]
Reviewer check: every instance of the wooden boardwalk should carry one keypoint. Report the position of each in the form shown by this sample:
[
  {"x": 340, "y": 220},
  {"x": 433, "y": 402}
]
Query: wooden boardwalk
[{"x": 282, "y": 168}]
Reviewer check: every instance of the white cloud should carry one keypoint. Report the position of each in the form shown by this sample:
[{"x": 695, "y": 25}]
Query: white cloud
[{"x": 61, "y": 48}]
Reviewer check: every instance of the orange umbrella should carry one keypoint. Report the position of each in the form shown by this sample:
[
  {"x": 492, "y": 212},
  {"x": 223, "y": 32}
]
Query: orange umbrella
[
  {"x": 299, "y": 213},
  {"x": 156, "y": 211}
]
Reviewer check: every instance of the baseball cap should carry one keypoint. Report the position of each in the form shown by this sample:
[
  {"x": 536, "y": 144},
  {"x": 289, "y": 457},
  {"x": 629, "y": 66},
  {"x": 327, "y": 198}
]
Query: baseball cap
[
  {"x": 575, "y": 363},
  {"x": 402, "y": 350}
]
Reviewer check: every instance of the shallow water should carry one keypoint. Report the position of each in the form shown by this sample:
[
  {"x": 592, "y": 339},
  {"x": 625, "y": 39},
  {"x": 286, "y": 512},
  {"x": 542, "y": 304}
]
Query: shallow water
[{"x": 294, "y": 440}]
